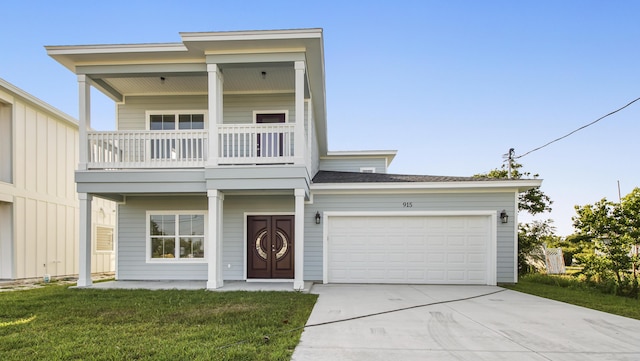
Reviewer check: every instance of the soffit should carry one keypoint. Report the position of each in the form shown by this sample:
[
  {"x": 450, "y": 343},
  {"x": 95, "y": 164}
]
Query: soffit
[{"x": 276, "y": 79}]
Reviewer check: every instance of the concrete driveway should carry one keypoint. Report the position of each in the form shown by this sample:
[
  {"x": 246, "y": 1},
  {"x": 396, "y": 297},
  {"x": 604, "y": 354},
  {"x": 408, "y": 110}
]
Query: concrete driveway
[{"x": 489, "y": 323}]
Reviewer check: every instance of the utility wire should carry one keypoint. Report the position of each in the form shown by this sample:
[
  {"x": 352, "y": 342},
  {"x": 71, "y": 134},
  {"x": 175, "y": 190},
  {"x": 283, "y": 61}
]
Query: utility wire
[
  {"x": 266, "y": 338},
  {"x": 582, "y": 127}
]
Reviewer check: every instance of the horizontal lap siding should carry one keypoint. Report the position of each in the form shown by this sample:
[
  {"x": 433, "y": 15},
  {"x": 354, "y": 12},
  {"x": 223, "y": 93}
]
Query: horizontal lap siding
[
  {"x": 132, "y": 264},
  {"x": 132, "y": 116},
  {"x": 238, "y": 109},
  {"x": 234, "y": 223},
  {"x": 353, "y": 165},
  {"x": 420, "y": 202}
]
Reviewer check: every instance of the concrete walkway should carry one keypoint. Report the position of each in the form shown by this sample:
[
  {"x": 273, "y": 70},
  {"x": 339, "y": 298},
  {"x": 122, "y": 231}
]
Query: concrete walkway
[{"x": 501, "y": 325}]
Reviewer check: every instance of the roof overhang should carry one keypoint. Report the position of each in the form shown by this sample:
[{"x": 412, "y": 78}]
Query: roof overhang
[
  {"x": 389, "y": 155},
  {"x": 470, "y": 186},
  {"x": 227, "y": 49}
]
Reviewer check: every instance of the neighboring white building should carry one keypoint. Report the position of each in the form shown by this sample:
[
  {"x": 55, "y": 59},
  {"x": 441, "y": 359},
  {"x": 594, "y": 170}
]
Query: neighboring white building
[
  {"x": 38, "y": 201},
  {"x": 221, "y": 171}
]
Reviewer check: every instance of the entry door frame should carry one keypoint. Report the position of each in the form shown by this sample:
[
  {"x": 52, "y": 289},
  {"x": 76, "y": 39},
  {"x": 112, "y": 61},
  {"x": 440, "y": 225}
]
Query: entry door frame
[
  {"x": 493, "y": 241},
  {"x": 245, "y": 261},
  {"x": 285, "y": 118}
]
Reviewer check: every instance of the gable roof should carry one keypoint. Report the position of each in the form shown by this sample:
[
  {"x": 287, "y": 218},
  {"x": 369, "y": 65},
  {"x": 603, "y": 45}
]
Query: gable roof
[{"x": 14, "y": 91}]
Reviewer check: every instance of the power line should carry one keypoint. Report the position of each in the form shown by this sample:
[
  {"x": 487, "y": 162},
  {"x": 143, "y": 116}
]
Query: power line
[{"x": 582, "y": 127}]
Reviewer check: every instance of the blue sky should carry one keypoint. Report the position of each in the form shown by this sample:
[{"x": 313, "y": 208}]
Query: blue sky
[{"x": 452, "y": 85}]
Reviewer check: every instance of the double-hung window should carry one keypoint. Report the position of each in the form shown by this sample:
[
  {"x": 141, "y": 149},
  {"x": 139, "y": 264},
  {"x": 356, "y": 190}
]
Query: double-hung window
[
  {"x": 178, "y": 146},
  {"x": 175, "y": 236}
]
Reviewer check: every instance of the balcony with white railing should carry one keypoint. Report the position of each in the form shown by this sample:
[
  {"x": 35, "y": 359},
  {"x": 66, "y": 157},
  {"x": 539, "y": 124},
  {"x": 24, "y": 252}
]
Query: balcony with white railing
[
  {"x": 256, "y": 143},
  {"x": 147, "y": 149},
  {"x": 239, "y": 144}
]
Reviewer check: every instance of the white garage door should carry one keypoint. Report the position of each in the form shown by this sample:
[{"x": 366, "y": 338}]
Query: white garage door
[{"x": 408, "y": 249}]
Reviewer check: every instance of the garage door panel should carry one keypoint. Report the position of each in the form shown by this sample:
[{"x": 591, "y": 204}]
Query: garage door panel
[{"x": 413, "y": 249}]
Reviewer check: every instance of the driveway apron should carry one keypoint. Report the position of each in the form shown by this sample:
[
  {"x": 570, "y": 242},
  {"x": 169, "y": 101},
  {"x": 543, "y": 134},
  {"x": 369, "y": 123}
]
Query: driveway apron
[{"x": 429, "y": 322}]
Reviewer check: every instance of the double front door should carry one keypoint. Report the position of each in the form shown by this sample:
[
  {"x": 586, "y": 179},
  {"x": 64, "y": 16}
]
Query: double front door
[{"x": 270, "y": 246}]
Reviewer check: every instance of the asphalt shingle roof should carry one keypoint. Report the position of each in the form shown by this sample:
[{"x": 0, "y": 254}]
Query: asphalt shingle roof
[{"x": 357, "y": 177}]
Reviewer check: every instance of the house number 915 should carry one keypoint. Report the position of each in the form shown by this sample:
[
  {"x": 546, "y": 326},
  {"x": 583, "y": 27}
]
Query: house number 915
[{"x": 407, "y": 204}]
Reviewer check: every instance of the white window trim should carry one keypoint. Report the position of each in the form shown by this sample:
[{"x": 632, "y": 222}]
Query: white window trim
[
  {"x": 113, "y": 238},
  {"x": 256, "y": 112},
  {"x": 149, "y": 113},
  {"x": 367, "y": 169},
  {"x": 174, "y": 260}
]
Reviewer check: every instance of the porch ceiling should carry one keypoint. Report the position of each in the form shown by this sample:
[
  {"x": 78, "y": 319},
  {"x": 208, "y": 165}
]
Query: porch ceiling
[{"x": 279, "y": 78}]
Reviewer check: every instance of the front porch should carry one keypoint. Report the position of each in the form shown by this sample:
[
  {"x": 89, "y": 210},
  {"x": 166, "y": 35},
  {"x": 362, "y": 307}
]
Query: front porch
[
  {"x": 201, "y": 285},
  {"x": 184, "y": 237}
]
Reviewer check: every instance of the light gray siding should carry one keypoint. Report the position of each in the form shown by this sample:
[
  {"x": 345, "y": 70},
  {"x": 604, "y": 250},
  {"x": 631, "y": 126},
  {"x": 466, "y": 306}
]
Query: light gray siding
[
  {"x": 132, "y": 263},
  {"x": 420, "y": 202},
  {"x": 352, "y": 164},
  {"x": 131, "y": 114},
  {"x": 238, "y": 109},
  {"x": 132, "y": 234},
  {"x": 235, "y": 210}
]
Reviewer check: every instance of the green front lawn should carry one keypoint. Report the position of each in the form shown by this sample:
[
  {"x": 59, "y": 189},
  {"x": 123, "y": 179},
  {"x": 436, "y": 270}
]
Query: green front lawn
[
  {"x": 570, "y": 290},
  {"x": 58, "y": 323}
]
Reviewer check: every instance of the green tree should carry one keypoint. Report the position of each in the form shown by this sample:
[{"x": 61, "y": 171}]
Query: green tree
[
  {"x": 613, "y": 228},
  {"x": 533, "y": 201}
]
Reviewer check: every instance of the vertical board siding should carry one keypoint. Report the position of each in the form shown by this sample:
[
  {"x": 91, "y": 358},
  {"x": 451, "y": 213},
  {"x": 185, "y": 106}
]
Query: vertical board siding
[
  {"x": 6, "y": 142},
  {"x": 353, "y": 164},
  {"x": 132, "y": 258},
  {"x": 420, "y": 202},
  {"x": 45, "y": 204}
]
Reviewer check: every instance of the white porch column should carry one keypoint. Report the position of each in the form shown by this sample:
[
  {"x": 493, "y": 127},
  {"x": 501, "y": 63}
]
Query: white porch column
[
  {"x": 214, "y": 239},
  {"x": 298, "y": 277},
  {"x": 215, "y": 81},
  {"x": 84, "y": 254},
  {"x": 299, "y": 108},
  {"x": 310, "y": 132},
  {"x": 84, "y": 91}
]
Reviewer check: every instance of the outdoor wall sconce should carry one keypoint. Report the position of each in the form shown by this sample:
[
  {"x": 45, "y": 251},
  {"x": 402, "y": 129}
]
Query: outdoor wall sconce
[
  {"x": 504, "y": 217},
  {"x": 317, "y": 217}
]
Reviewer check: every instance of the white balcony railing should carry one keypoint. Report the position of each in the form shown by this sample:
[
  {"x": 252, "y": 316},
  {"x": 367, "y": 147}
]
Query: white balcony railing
[
  {"x": 236, "y": 144},
  {"x": 147, "y": 149},
  {"x": 256, "y": 143}
]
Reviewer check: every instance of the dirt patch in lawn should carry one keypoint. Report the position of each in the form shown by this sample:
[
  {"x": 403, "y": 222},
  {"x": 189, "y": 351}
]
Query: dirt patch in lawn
[{"x": 31, "y": 283}]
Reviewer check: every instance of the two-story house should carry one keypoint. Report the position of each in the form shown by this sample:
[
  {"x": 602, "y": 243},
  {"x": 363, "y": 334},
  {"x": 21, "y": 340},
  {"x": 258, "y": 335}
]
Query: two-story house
[
  {"x": 38, "y": 200},
  {"x": 221, "y": 171}
]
